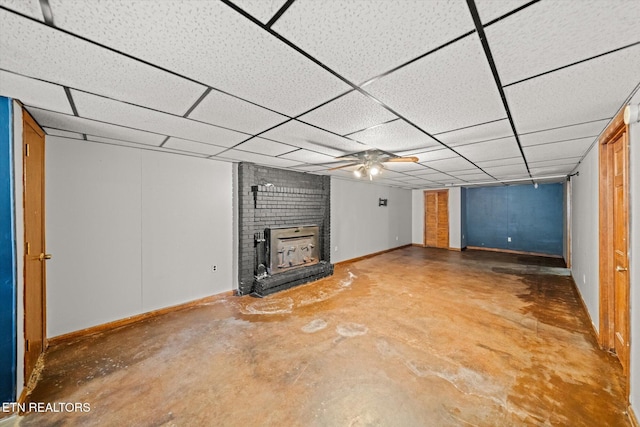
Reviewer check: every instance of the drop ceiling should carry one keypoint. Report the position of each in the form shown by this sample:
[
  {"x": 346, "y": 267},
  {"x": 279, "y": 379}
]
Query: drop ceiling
[{"x": 483, "y": 91}]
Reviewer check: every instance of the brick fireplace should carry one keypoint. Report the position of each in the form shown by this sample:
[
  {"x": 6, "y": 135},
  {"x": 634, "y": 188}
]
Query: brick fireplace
[{"x": 284, "y": 228}]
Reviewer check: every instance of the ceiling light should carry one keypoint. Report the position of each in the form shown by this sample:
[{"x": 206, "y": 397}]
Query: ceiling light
[
  {"x": 359, "y": 172},
  {"x": 631, "y": 114},
  {"x": 375, "y": 169}
]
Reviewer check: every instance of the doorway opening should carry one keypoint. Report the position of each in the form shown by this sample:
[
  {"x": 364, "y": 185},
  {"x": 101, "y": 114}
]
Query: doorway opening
[{"x": 436, "y": 219}]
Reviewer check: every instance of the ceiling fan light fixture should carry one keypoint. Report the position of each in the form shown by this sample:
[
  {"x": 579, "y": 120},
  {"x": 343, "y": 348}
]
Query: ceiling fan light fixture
[
  {"x": 375, "y": 169},
  {"x": 359, "y": 172}
]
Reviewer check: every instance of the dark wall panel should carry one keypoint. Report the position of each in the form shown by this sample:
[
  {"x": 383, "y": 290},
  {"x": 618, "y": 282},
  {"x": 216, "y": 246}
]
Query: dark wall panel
[{"x": 531, "y": 217}]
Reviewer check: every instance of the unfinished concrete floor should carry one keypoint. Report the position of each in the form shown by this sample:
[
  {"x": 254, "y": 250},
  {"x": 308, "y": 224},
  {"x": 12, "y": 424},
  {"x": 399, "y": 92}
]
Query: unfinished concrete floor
[{"x": 413, "y": 337}]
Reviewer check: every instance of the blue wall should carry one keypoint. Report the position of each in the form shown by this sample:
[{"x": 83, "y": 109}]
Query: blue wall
[
  {"x": 531, "y": 217},
  {"x": 7, "y": 259}
]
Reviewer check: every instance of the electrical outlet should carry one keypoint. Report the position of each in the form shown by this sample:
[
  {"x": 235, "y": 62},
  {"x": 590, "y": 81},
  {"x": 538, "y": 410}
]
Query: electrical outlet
[
  {"x": 508, "y": 239},
  {"x": 214, "y": 268}
]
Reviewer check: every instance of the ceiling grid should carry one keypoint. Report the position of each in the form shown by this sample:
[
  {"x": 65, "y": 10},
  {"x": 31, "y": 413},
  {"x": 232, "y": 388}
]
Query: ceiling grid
[{"x": 478, "y": 90}]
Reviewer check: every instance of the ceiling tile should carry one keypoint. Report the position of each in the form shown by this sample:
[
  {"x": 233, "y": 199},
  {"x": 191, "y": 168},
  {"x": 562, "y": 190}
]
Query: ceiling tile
[
  {"x": 508, "y": 171},
  {"x": 573, "y": 148},
  {"x": 450, "y": 165},
  {"x": 490, "y": 150},
  {"x": 63, "y": 133},
  {"x": 224, "y": 110},
  {"x": 583, "y": 130},
  {"x": 306, "y": 156},
  {"x": 361, "y": 39},
  {"x": 309, "y": 137},
  {"x": 477, "y": 133},
  {"x": 119, "y": 113},
  {"x": 349, "y": 113},
  {"x": 449, "y": 89},
  {"x": 501, "y": 162},
  {"x": 310, "y": 168},
  {"x": 492, "y": 9},
  {"x": 592, "y": 90},
  {"x": 404, "y": 166},
  {"x": 265, "y": 146},
  {"x": 434, "y": 177},
  {"x": 475, "y": 177},
  {"x": 99, "y": 139},
  {"x": 444, "y": 153},
  {"x": 262, "y": 10},
  {"x": 35, "y": 93},
  {"x": 555, "y": 162},
  {"x": 395, "y": 137},
  {"x": 69, "y": 61},
  {"x": 243, "y": 156},
  {"x": 193, "y": 147},
  {"x": 548, "y": 35},
  {"x": 553, "y": 170},
  {"x": 211, "y": 43},
  {"x": 91, "y": 127},
  {"x": 27, "y": 7}
]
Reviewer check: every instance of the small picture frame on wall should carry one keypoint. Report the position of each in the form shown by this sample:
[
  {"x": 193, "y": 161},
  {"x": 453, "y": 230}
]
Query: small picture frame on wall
[{"x": 382, "y": 202}]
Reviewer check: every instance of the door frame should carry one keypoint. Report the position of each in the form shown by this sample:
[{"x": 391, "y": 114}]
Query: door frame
[
  {"x": 28, "y": 120},
  {"x": 424, "y": 218},
  {"x": 606, "y": 234}
]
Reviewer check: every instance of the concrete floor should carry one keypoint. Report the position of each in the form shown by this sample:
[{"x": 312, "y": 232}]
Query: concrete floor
[{"x": 413, "y": 337}]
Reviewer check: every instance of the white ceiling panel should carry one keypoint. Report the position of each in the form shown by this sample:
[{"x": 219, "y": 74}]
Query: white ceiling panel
[
  {"x": 478, "y": 133},
  {"x": 265, "y": 146},
  {"x": 361, "y": 39},
  {"x": 582, "y": 130},
  {"x": 306, "y": 156},
  {"x": 592, "y": 90},
  {"x": 69, "y": 61},
  {"x": 310, "y": 168},
  {"x": 108, "y": 110},
  {"x": 492, "y": 9},
  {"x": 349, "y": 113},
  {"x": 27, "y": 7},
  {"x": 488, "y": 150},
  {"x": 309, "y": 137},
  {"x": 243, "y": 156},
  {"x": 474, "y": 177},
  {"x": 397, "y": 136},
  {"x": 434, "y": 177},
  {"x": 501, "y": 162},
  {"x": 262, "y": 10},
  {"x": 404, "y": 166},
  {"x": 92, "y": 127},
  {"x": 193, "y": 147},
  {"x": 573, "y": 148},
  {"x": 449, "y": 89},
  {"x": 507, "y": 171},
  {"x": 548, "y": 35},
  {"x": 99, "y": 139},
  {"x": 552, "y": 170},
  {"x": 450, "y": 165},
  {"x": 556, "y": 162},
  {"x": 224, "y": 110},
  {"x": 63, "y": 133},
  {"x": 210, "y": 42},
  {"x": 444, "y": 153},
  {"x": 35, "y": 93}
]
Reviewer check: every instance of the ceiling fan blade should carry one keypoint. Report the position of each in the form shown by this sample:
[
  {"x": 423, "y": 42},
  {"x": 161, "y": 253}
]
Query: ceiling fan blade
[
  {"x": 403, "y": 159},
  {"x": 344, "y": 166}
]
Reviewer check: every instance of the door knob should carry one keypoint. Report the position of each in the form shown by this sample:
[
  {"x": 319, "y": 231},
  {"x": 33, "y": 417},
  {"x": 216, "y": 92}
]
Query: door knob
[
  {"x": 621, "y": 269},
  {"x": 42, "y": 257}
]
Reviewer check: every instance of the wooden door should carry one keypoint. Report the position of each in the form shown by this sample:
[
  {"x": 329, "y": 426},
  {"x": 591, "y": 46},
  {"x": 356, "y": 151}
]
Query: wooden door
[
  {"x": 620, "y": 255},
  {"x": 34, "y": 256},
  {"x": 436, "y": 225}
]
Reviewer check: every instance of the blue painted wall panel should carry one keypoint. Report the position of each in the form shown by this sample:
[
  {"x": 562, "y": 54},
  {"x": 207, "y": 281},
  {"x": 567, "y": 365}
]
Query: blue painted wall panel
[
  {"x": 533, "y": 218},
  {"x": 7, "y": 259}
]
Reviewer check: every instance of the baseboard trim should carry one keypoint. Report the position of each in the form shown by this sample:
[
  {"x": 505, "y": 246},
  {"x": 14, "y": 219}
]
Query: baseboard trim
[
  {"x": 72, "y": 336},
  {"x": 509, "y": 251},
  {"x": 360, "y": 258},
  {"x": 632, "y": 417},
  {"x": 594, "y": 331},
  {"x": 419, "y": 245}
]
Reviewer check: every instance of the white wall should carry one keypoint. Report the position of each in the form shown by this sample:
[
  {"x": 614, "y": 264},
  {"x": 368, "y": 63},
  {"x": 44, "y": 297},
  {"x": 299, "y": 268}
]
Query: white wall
[
  {"x": 584, "y": 233},
  {"x": 359, "y": 226},
  {"x": 584, "y": 245},
  {"x": 455, "y": 217},
  {"x": 19, "y": 233},
  {"x": 132, "y": 231}
]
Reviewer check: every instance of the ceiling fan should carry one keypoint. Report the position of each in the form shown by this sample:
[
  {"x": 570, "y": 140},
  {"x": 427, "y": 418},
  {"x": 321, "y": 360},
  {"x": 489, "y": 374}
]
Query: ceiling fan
[{"x": 370, "y": 162}]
